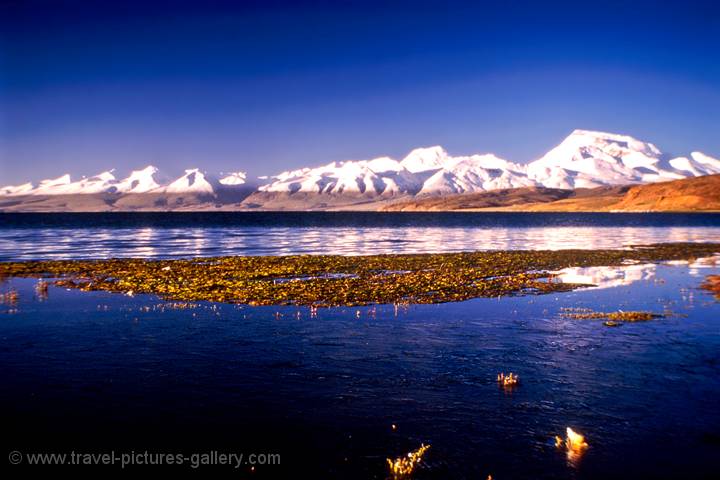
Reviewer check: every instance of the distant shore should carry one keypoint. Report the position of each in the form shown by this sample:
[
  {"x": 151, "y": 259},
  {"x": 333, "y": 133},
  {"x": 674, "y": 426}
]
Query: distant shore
[{"x": 698, "y": 194}]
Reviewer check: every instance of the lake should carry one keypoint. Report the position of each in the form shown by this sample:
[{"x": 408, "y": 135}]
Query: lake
[
  {"x": 336, "y": 391},
  {"x": 32, "y": 236}
]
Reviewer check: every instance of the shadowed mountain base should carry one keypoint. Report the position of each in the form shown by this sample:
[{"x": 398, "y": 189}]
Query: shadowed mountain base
[{"x": 691, "y": 194}]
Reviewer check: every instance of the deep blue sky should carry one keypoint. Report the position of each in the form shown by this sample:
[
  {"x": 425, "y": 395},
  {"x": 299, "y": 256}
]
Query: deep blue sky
[{"x": 266, "y": 86}]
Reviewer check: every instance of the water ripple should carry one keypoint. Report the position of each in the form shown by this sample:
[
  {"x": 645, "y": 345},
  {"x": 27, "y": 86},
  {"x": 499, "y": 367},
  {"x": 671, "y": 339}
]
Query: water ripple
[{"x": 65, "y": 236}]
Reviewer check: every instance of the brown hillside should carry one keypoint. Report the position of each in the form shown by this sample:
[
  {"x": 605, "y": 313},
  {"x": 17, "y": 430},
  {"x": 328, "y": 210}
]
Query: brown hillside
[
  {"x": 473, "y": 201},
  {"x": 691, "y": 194},
  {"x": 699, "y": 193}
]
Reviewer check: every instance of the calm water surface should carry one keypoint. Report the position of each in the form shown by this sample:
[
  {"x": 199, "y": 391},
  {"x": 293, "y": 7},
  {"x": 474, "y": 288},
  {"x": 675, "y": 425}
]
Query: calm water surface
[
  {"x": 153, "y": 235},
  {"x": 93, "y": 370},
  {"x": 99, "y": 371}
]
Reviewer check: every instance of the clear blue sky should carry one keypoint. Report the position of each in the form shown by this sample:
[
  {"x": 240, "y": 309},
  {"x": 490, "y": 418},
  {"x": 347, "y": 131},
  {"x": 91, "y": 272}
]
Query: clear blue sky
[{"x": 266, "y": 86}]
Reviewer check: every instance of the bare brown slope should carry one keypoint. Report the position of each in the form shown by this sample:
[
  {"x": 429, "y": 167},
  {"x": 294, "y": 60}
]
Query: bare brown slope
[
  {"x": 699, "y": 193},
  {"x": 513, "y": 199},
  {"x": 106, "y": 202},
  {"x": 470, "y": 201},
  {"x": 691, "y": 194}
]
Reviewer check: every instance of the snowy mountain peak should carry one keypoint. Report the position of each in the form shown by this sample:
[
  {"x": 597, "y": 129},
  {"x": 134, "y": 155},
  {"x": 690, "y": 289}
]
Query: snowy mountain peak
[
  {"x": 590, "y": 159},
  {"x": 423, "y": 159},
  {"x": 95, "y": 184},
  {"x": 705, "y": 160},
  {"x": 55, "y": 182},
  {"x": 476, "y": 173},
  {"x": 378, "y": 176},
  {"x": 194, "y": 181},
  {"x": 584, "y": 159},
  {"x": 139, "y": 181},
  {"x": 24, "y": 189},
  {"x": 146, "y": 172},
  {"x": 234, "y": 178},
  {"x": 104, "y": 176},
  {"x": 604, "y": 139},
  {"x": 384, "y": 164}
]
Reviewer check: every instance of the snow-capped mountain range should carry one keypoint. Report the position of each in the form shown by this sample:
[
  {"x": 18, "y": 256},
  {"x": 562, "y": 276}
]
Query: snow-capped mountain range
[
  {"x": 585, "y": 159},
  {"x": 147, "y": 180}
]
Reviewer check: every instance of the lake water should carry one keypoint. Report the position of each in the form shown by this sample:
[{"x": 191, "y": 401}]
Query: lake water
[
  {"x": 96, "y": 371},
  {"x": 162, "y": 235}
]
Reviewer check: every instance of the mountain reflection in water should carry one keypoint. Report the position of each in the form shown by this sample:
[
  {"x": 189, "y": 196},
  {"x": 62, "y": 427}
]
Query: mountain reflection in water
[{"x": 42, "y": 242}]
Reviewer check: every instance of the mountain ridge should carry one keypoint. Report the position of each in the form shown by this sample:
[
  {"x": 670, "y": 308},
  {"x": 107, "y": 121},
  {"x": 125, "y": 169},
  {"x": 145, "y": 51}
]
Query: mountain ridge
[
  {"x": 583, "y": 160},
  {"x": 696, "y": 194}
]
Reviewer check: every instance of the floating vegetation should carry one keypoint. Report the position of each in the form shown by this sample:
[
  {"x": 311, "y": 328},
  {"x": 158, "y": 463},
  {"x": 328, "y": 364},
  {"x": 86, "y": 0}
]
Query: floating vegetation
[
  {"x": 712, "y": 284},
  {"x": 334, "y": 280},
  {"x": 403, "y": 466},
  {"x": 314, "y": 277},
  {"x": 9, "y": 298},
  {"x": 613, "y": 318},
  {"x": 41, "y": 290},
  {"x": 507, "y": 381},
  {"x": 170, "y": 306},
  {"x": 574, "y": 443}
]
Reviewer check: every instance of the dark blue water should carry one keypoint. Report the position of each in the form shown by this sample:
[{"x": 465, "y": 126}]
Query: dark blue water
[
  {"x": 95, "y": 372},
  {"x": 99, "y": 371},
  {"x": 158, "y": 235},
  {"x": 354, "y": 219}
]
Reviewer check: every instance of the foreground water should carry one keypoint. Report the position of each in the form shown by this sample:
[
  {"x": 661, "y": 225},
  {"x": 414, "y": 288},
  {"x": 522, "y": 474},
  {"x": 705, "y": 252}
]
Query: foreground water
[
  {"x": 98, "y": 371},
  {"x": 163, "y": 235}
]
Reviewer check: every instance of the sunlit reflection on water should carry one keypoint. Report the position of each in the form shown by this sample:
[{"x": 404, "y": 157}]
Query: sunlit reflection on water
[
  {"x": 616, "y": 276},
  {"x": 152, "y": 242},
  {"x": 607, "y": 277},
  {"x": 355, "y": 386}
]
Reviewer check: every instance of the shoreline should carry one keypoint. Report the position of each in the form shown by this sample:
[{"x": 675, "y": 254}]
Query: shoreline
[{"x": 337, "y": 280}]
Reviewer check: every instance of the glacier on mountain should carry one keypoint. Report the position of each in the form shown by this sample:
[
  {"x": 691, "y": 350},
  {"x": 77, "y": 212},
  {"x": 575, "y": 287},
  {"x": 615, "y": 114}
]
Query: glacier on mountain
[{"x": 585, "y": 159}]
